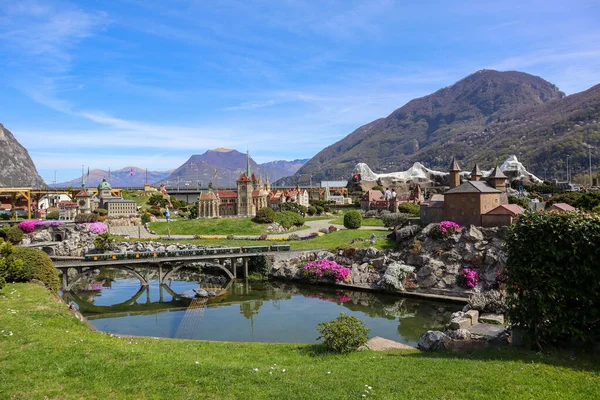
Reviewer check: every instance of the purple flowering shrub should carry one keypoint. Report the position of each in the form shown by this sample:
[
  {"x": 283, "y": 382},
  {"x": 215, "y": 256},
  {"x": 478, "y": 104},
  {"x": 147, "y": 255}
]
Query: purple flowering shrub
[
  {"x": 470, "y": 278},
  {"x": 29, "y": 225},
  {"x": 97, "y": 228},
  {"x": 444, "y": 229},
  {"x": 324, "y": 269}
]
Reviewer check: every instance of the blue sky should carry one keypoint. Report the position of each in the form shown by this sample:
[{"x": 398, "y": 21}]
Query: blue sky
[{"x": 109, "y": 83}]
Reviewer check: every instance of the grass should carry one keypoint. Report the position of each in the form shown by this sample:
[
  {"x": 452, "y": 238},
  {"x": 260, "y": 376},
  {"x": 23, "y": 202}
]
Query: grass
[
  {"x": 50, "y": 354},
  {"x": 135, "y": 195},
  {"x": 217, "y": 226},
  {"x": 365, "y": 221},
  {"x": 338, "y": 239}
]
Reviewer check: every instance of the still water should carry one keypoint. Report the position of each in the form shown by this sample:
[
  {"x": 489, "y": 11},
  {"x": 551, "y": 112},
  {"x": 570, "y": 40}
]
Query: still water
[{"x": 251, "y": 311}]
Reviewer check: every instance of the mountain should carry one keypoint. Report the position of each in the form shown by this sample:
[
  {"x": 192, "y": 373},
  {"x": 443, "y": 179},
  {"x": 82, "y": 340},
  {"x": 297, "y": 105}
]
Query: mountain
[
  {"x": 229, "y": 165},
  {"x": 16, "y": 165},
  {"x": 482, "y": 118},
  {"x": 125, "y": 177}
]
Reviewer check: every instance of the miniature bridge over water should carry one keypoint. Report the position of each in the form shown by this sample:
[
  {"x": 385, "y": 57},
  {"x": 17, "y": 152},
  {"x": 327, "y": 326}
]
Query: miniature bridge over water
[{"x": 166, "y": 266}]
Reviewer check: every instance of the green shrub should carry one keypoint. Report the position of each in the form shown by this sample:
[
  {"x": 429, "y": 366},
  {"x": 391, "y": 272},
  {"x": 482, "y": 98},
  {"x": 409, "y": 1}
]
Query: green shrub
[
  {"x": 553, "y": 279},
  {"x": 36, "y": 265},
  {"x": 53, "y": 215},
  {"x": 344, "y": 334},
  {"x": 410, "y": 208},
  {"x": 320, "y": 210},
  {"x": 265, "y": 215},
  {"x": 157, "y": 200},
  {"x": 287, "y": 219},
  {"x": 352, "y": 219},
  {"x": 104, "y": 241},
  {"x": 3, "y": 233},
  {"x": 380, "y": 188},
  {"x": 85, "y": 218},
  {"x": 14, "y": 235},
  {"x": 523, "y": 202},
  {"x": 155, "y": 211},
  {"x": 393, "y": 220},
  {"x": 101, "y": 211},
  {"x": 9, "y": 265},
  {"x": 258, "y": 266},
  {"x": 312, "y": 210},
  {"x": 145, "y": 218},
  {"x": 294, "y": 207}
]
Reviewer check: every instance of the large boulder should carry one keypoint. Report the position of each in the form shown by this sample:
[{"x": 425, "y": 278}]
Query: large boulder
[
  {"x": 434, "y": 341},
  {"x": 394, "y": 276}
]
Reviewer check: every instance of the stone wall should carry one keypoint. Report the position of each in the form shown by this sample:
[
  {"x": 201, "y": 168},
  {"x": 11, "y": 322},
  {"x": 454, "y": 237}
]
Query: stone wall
[{"x": 420, "y": 264}]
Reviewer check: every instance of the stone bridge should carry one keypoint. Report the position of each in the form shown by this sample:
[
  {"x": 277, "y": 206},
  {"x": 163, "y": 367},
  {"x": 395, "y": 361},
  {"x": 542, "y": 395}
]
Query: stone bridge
[{"x": 166, "y": 266}]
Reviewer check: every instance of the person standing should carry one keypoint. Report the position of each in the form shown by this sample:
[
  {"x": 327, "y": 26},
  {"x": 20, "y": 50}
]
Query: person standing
[{"x": 167, "y": 214}]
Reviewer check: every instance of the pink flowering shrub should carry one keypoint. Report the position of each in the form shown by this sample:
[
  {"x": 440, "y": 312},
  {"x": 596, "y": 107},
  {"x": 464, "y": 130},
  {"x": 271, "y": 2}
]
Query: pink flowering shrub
[
  {"x": 29, "y": 225},
  {"x": 324, "y": 269},
  {"x": 470, "y": 277},
  {"x": 97, "y": 228},
  {"x": 444, "y": 229}
]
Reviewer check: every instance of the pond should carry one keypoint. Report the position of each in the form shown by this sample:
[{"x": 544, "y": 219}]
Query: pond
[{"x": 246, "y": 311}]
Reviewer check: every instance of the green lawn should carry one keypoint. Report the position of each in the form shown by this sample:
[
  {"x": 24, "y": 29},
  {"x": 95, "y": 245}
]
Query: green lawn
[
  {"x": 135, "y": 196},
  {"x": 331, "y": 241},
  {"x": 217, "y": 226},
  {"x": 45, "y": 353}
]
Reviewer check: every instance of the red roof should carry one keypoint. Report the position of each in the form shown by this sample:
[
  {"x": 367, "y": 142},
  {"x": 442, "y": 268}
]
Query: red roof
[
  {"x": 227, "y": 194},
  {"x": 243, "y": 178},
  {"x": 67, "y": 204},
  {"x": 83, "y": 193},
  {"x": 253, "y": 177},
  {"x": 507, "y": 209},
  {"x": 562, "y": 207}
]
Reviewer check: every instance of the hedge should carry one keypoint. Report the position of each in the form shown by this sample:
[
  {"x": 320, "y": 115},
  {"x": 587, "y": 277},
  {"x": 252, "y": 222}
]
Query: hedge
[
  {"x": 553, "y": 278},
  {"x": 265, "y": 215},
  {"x": 36, "y": 265}
]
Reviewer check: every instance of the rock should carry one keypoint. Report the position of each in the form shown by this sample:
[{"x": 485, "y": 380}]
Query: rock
[
  {"x": 473, "y": 315},
  {"x": 172, "y": 247},
  {"x": 381, "y": 344},
  {"x": 462, "y": 323},
  {"x": 394, "y": 276},
  {"x": 427, "y": 282},
  {"x": 459, "y": 334},
  {"x": 372, "y": 252},
  {"x": 434, "y": 341},
  {"x": 201, "y": 292},
  {"x": 496, "y": 319},
  {"x": 466, "y": 308},
  {"x": 379, "y": 263},
  {"x": 325, "y": 255},
  {"x": 487, "y": 331},
  {"x": 42, "y": 236},
  {"x": 407, "y": 232},
  {"x": 472, "y": 234}
]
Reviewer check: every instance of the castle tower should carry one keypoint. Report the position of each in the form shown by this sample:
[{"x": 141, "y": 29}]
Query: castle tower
[
  {"x": 244, "y": 196},
  {"x": 84, "y": 201},
  {"x": 476, "y": 173},
  {"x": 497, "y": 179},
  {"x": 454, "y": 173},
  {"x": 267, "y": 184}
]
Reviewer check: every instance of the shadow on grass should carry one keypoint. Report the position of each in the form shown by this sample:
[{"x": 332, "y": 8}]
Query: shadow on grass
[{"x": 575, "y": 360}]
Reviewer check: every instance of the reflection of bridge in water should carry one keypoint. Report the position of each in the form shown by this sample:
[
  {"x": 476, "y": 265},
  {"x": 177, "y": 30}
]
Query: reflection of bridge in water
[{"x": 133, "y": 305}]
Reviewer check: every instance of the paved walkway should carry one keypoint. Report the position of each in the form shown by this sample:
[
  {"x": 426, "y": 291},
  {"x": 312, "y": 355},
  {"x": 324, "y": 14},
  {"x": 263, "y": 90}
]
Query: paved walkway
[{"x": 310, "y": 227}]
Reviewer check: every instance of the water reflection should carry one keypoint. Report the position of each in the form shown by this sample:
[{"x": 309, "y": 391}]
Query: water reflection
[{"x": 250, "y": 311}]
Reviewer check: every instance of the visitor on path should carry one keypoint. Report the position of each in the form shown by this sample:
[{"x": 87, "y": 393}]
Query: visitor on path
[
  {"x": 388, "y": 194},
  {"x": 394, "y": 194},
  {"x": 167, "y": 214}
]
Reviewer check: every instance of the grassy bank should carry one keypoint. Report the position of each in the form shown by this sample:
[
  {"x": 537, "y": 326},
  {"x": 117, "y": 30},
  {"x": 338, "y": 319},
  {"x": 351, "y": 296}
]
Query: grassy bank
[
  {"x": 219, "y": 226},
  {"x": 330, "y": 241},
  {"x": 46, "y": 353}
]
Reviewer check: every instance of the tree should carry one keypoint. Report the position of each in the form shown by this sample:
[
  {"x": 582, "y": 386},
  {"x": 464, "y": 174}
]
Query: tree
[
  {"x": 9, "y": 265},
  {"x": 353, "y": 219}
]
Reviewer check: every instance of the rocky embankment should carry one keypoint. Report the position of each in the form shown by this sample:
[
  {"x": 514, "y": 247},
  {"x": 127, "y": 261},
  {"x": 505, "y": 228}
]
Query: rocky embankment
[{"x": 420, "y": 263}]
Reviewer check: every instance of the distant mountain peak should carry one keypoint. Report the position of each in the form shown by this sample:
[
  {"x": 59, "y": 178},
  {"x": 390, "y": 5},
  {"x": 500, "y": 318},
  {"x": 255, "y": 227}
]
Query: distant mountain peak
[{"x": 222, "y": 150}]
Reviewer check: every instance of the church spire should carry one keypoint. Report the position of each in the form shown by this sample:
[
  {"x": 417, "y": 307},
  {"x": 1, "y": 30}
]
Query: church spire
[{"x": 248, "y": 164}]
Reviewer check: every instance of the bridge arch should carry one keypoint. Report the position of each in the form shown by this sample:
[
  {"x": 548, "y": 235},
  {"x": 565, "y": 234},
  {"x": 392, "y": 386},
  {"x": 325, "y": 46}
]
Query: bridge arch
[
  {"x": 176, "y": 268},
  {"x": 88, "y": 271}
]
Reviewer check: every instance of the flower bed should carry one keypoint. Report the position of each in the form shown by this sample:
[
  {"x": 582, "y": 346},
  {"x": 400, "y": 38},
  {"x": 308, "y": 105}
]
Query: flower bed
[
  {"x": 29, "y": 225},
  {"x": 97, "y": 228},
  {"x": 444, "y": 229},
  {"x": 324, "y": 269},
  {"x": 470, "y": 277}
]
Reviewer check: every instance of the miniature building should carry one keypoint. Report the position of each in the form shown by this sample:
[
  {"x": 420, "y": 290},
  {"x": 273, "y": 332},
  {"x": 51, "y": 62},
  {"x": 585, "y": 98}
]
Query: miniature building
[
  {"x": 375, "y": 200},
  {"x": 116, "y": 206},
  {"x": 503, "y": 215},
  {"x": 562, "y": 207},
  {"x": 67, "y": 210},
  {"x": 466, "y": 203}
]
